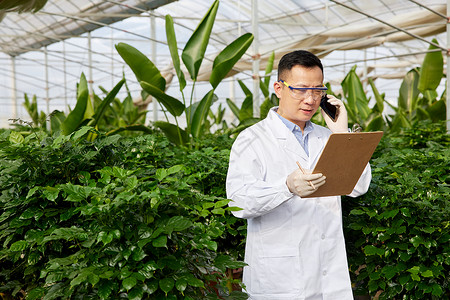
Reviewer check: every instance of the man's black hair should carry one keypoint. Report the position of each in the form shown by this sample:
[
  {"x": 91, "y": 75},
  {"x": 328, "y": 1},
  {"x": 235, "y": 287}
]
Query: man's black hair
[{"x": 298, "y": 58}]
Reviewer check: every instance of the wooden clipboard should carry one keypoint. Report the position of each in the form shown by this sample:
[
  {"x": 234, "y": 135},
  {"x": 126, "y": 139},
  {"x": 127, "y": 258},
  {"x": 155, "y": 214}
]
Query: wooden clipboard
[{"x": 343, "y": 160}]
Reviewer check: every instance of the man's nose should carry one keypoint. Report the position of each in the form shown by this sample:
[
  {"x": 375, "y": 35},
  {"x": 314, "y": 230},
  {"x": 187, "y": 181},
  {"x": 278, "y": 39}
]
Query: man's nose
[{"x": 309, "y": 98}]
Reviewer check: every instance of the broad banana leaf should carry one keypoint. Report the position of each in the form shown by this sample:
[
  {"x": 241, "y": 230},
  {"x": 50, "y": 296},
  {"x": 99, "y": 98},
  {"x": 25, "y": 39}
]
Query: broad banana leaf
[
  {"x": 194, "y": 106},
  {"x": 22, "y": 5},
  {"x": 201, "y": 113},
  {"x": 194, "y": 51},
  {"x": 245, "y": 123},
  {"x": 432, "y": 69},
  {"x": 246, "y": 111},
  {"x": 226, "y": 59},
  {"x": 264, "y": 108},
  {"x": 174, "y": 106},
  {"x": 409, "y": 93},
  {"x": 269, "y": 69},
  {"x": 220, "y": 114},
  {"x": 400, "y": 121},
  {"x": 245, "y": 89},
  {"x": 437, "y": 110},
  {"x": 56, "y": 119},
  {"x": 142, "y": 67},
  {"x": 430, "y": 96},
  {"x": 173, "y": 47},
  {"x": 89, "y": 112},
  {"x": 174, "y": 133},
  {"x": 233, "y": 107},
  {"x": 139, "y": 127},
  {"x": 264, "y": 89},
  {"x": 105, "y": 103},
  {"x": 421, "y": 114},
  {"x": 356, "y": 97},
  {"x": 32, "y": 109},
  {"x": 76, "y": 116},
  {"x": 375, "y": 124},
  {"x": 379, "y": 105}
]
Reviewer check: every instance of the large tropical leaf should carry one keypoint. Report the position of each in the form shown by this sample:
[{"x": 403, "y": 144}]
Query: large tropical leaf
[
  {"x": 246, "y": 110},
  {"x": 194, "y": 51},
  {"x": 245, "y": 89},
  {"x": 264, "y": 83},
  {"x": 409, "y": 93},
  {"x": 174, "y": 133},
  {"x": 244, "y": 124},
  {"x": 400, "y": 121},
  {"x": 379, "y": 105},
  {"x": 22, "y": 5},
  {"x": 356, "y": 97},
  {"x": 265, "y": 108},
  {"x": 264, "y": 89},
  {"x": 201, "y": 113},
  {"x": 76, "y": 116},
  {"x": 99, "y": 112},
  {"x": 432, "y": 69},
  {"x": 226, "y": 59},
  {"x": 437, "y": 110},
  {"x": 269, "y": 68},
  {"x": 134, "y": 127},
  {"x": 234, "y": 108},
  {"x": 32, "y": 109},
  {"x": 56, "y": 119},
  {"x": 173, "y": 47},
  {"x": 142, "y": 67},
  {"x": 194, "y": 106},
  {"x": 377, "y": 123},
  {"x": 174, "y": 106}
]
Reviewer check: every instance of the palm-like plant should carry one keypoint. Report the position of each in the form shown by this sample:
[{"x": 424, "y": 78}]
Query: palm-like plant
[
  {"x": 153, "y": 82},
  {"x": 21, "y": 5}
]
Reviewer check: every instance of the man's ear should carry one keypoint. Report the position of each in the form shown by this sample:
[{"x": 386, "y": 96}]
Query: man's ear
[{"x": 277, "y": 88}]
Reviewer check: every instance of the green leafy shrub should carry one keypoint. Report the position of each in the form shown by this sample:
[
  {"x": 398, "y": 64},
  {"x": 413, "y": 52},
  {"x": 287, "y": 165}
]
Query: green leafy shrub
[
  {"x": 118, "y": 217},
  {"x": 398, "y": 233}
]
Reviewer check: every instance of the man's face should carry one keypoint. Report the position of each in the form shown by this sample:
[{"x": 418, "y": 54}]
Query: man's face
[{"x": 298, "y": 111}]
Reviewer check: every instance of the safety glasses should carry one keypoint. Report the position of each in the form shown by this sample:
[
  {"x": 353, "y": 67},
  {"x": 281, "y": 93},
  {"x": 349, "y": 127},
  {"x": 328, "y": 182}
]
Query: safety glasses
[{"x": 302, "y": 93}]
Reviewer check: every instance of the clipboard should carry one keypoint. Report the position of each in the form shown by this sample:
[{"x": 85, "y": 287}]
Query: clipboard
[{"x": 343, "y": 160}]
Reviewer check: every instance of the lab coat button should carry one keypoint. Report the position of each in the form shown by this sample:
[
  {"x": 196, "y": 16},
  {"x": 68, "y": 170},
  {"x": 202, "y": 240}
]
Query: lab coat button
[
  {"x": 323, "y": 236},
  {"x": 324, "y": 273}
]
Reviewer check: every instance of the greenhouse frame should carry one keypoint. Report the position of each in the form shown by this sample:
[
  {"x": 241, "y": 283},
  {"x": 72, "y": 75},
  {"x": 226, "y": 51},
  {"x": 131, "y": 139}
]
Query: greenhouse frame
[
  {"x": 149, "y": 149},
  {"x": 43, "y": 53}
]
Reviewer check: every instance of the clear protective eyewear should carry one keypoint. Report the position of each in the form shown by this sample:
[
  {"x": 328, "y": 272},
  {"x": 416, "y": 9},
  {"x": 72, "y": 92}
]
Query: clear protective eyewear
[{"x": 301, "y": 93}]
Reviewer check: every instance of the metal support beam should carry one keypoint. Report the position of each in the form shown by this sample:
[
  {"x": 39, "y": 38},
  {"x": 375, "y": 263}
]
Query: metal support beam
[
  {"x": 91, "y": 79},
  {"x": 390, "y": 25},
  {"x": 448, "y": 66},
  {"x": 47, "y": 85},
  {"x": 66, "y": 104},
  {"x": 153, "y": 43},
  {"x": 14, "y": 87},
  {"x": 256, "y": 59},
  {"x": 427, "y": 8}
]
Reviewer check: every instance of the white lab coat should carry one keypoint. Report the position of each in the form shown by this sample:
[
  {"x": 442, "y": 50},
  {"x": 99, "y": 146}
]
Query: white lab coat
[{"x": 295, "y": 247}]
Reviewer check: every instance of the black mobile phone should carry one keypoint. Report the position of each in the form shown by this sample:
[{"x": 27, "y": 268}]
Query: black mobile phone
[{"x": 328, "y": 108}]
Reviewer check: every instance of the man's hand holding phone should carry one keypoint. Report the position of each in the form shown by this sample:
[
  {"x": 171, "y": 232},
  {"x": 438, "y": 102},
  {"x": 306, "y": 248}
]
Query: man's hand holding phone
[{"x": 340, "y": 122}]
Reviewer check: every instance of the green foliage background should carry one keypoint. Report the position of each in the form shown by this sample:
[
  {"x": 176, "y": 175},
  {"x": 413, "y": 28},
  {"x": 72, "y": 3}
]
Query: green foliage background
[
  {"x": 398, "y": 237},
  {"x": 119, "y": 217},
  {"x": 137, "y": 217}
]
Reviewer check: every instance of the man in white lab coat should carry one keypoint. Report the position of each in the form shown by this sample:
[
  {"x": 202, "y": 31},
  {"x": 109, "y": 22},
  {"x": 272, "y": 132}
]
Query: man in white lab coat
[{"x": 295, "y": 246}]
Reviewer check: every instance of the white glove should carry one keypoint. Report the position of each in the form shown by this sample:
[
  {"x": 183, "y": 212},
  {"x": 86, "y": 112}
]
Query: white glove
[
  {"x": 341, "y": 123},
  {"x": 304, "y": 184}
]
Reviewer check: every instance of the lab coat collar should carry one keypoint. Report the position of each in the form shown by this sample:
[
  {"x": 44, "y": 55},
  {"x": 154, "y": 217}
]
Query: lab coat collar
[{"x": 289, "y": 142}]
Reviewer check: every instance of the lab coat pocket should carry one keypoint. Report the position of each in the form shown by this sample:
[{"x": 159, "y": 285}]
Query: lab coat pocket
[{"x": 281, "y": 270}]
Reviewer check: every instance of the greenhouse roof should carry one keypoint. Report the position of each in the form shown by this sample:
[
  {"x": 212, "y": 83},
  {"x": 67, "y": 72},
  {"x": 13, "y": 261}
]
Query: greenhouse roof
[
  {"x": 384, "y": 38},
  {"x": 63, "y": 19}
]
